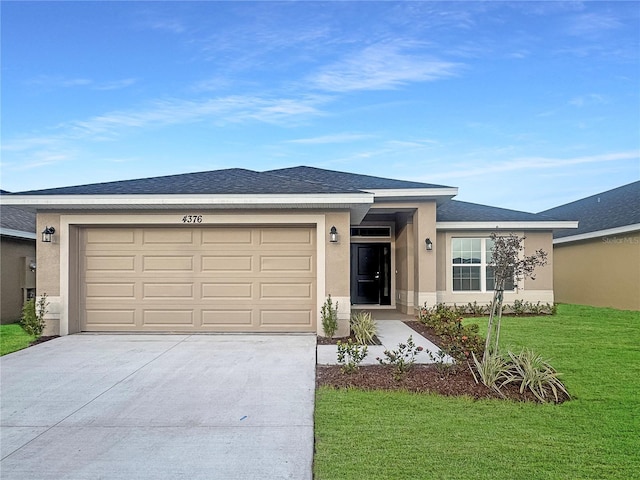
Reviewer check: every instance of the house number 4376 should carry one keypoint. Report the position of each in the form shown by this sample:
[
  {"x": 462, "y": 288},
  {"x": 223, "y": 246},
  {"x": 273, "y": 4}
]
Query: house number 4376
[{"x": 192, "y": 219}]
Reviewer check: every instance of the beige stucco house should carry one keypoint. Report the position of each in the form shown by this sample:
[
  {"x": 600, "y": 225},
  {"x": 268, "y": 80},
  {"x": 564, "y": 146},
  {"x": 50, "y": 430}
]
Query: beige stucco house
[
  {"x": 598, "y": 264},
  {"x": 243, "y": 251},
  {"x": 17, "y": 260}
]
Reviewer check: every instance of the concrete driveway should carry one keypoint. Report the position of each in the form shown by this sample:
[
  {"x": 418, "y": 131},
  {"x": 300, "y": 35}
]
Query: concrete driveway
[{"x": 159, "y": 406}]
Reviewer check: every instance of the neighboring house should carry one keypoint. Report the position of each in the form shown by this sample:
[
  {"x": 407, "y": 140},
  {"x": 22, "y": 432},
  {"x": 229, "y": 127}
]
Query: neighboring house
[
  {"x": 599, "y": 263},
  {"x": 17, "y": 260},
  {"x": 243, "y": 251}
]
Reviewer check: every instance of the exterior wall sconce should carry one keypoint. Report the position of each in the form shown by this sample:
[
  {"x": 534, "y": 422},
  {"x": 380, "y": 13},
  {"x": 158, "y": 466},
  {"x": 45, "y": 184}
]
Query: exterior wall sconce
[
  {"x": 333, "y": 235},
  {"x": 429, "y": 244},
  {"x": 47, "y": 233}
]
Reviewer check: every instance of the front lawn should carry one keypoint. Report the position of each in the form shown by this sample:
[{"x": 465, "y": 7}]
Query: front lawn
[
  {"x": 399, "y": 435},
  {"x": 13, "y": 338}
]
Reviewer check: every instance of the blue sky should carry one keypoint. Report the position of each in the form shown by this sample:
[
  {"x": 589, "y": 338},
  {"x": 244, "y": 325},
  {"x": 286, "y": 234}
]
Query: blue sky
[{"x": 523, "y": 105}]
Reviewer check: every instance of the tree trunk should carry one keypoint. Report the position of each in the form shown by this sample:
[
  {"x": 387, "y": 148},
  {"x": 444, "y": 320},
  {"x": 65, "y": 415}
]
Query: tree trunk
[{"x": 495, "y": 317}]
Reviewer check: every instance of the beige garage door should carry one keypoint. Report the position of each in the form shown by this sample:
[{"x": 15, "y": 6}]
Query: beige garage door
[{"x": 209, "y": 279}]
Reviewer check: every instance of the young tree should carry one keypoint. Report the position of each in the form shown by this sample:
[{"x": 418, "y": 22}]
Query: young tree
[{"x": 508, "y": 264}]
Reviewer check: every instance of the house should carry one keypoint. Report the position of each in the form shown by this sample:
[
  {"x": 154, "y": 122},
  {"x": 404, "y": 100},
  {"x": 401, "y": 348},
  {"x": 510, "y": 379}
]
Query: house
[
  {"x": 17, "y": 260},
  {"x": 599, "y": 263},
  {"x": 237, "y": 250}
]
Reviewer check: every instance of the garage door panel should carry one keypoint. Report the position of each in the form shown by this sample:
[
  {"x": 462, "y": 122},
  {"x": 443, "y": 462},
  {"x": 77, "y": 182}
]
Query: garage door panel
[
  {"x": 230, "y": 291},
  {"x": 177, "y": 291},
  {"x": 227, "y": 236},
  {"x": 106, "y": 263},
  {"x": 286, "y": 291},
  {"x": 227, "y": 263},
  {"x": 286, "y": 263},
  {"x": 227, "y": 318},
  {"x": 111, "y": 317},
  {"x": 245, "y": 279},
  {"x": 281, "y": 318},
  {"x": 167, "y": 236},
  {"x": 286, "y": 236},
  {"x": 111, "y": 290},
  {"x": 110, "y": 236},
  {"x": 165, "y": 263},
  {"x": 177, "y": 318}
]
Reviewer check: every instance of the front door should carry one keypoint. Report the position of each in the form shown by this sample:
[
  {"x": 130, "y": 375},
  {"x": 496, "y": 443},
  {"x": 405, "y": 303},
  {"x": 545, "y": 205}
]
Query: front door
[{"x": 371, "y": 273}]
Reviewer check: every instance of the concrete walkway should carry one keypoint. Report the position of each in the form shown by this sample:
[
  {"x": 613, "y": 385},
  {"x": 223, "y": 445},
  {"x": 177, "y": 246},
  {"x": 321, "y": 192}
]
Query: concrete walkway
[
  {"x": 159, "y": 407},
  {"x": 391, "y": 333}
]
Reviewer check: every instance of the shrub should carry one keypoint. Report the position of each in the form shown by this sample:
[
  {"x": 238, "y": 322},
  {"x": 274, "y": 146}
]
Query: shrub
[
  {"x": 329, "y": 315},
  {"x": 33, "y": 316},
  {"x": 350, "y": 355},
  {"x": 402, "y": 359},
  {"x": 491, "y": 369},
  {"x": 458, "y": 340},
  {"x": 533, "y": 372},
  {"x": 363, "y": 327}
]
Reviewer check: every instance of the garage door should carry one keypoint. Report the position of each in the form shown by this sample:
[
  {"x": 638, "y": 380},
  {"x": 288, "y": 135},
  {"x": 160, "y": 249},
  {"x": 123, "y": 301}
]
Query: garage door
[{"x": 210, "y": 279}]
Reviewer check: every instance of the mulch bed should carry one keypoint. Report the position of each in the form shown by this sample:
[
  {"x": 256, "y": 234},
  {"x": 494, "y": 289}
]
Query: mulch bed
[
  {"x": 334, "y": 340},
  {"x": 42, "y": 340},
  {"x": 455, "y": 380}
]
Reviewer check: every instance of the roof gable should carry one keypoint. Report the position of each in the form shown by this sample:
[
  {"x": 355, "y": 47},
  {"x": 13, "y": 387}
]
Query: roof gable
[{"x": 619, "y": 207}]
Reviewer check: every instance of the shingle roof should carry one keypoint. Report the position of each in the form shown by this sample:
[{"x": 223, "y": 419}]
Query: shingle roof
[
  {"x": 457, "y": 211},
  {"x": 15, "y": 218},
  {"x": 229, "y": 181},
  {"x": 619, "y": 207},
  {"x": 353, "y": 180}
]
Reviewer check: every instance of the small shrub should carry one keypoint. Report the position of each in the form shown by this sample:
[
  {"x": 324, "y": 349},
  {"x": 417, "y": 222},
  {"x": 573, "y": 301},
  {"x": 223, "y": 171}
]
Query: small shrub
[
  {"x": 476, "y": 310},
  {"x": 363, "y": 327},
  {"x": 491, "y": 369},
  {"x": 350, "y": 355},
  {"x": 534, "y": 373},
  {"x": 518, "y": 307},
  {"x": 439, "y": 360},
  {"x": 458, "y": 340},
  {"x": 33, "y": 316},
  {"x": 329, "y": 315},
  {"x": 402, "y": 359}
]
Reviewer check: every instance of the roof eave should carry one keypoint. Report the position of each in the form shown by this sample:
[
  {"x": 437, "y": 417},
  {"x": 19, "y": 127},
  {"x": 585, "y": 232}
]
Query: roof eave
[
  {"x": 440, "y": 195},
  {"x": 9, "y": 232},
  {"x": 597, "y": 234},
  {"x": 358, "y": 203},
  {"x": 507, "y": 225}
]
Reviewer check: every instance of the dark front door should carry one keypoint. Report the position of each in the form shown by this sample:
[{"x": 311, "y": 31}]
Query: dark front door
[{"x": 371, "y": 273}]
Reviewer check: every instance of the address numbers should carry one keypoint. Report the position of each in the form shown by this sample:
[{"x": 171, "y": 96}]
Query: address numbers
[{"x": 192, "y": 219}]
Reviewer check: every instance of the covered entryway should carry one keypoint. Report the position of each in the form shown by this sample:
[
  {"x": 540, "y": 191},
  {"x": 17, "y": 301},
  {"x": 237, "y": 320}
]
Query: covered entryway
[
  {"x": 371, "y": 273},
  {"x": 198, "y": 279}
]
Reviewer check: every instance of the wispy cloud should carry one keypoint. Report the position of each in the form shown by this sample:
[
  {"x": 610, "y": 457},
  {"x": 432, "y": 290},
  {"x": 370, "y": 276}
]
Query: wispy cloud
[
  {"x": 590, "y": 99},
  {"x": 535, "y": 163},
  {"x": 593, "y": 24},
  {"x": 55, "y": 81},
  {"x": 328, "y": 139},
  {"x": 381, "y": 67}
]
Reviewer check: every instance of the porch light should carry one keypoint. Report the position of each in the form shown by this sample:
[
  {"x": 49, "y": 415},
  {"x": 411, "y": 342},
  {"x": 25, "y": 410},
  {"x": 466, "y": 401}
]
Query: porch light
[
  {"x": 46, "y": 234},
  {"x": 333, "y": 235},
  {"x": 429, "y": 244}
]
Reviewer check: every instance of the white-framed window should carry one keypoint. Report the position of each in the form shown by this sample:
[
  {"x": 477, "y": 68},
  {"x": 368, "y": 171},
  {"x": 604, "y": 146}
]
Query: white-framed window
[{"x": 471, "y": 271}]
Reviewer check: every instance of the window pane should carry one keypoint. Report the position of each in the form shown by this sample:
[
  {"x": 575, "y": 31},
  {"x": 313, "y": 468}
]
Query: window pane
[
  {"x": 508, "y": 285},
  {"x": 466, "y": 278},
  {"x": 489, "y": 248},
  {"x": 466, "y": 250}
]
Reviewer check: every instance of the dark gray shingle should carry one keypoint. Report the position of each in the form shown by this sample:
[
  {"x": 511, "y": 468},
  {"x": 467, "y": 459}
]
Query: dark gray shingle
[
  {"x": 457, "y": 211},
  {"x": 229, "y": 181},
  {"x": 15, "y": 218},
  {"x": 352, "y": 180},
  {"x": 611, "y": 209}
]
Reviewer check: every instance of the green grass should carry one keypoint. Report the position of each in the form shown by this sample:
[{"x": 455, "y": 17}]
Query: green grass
[
  {"x": 13, "y": 338},
  {"x": 399, "y": 435}
]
